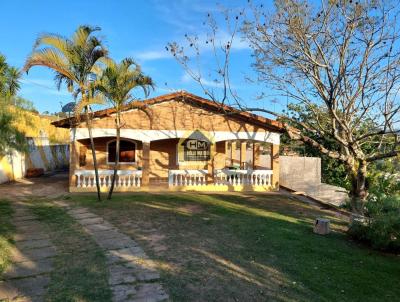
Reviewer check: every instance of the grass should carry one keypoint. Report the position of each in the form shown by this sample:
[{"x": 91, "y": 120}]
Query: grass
[
  {"x": 7, "y": 231},
  {"x": 252, "y": 247},
  {"x": 80, "y": 271}
]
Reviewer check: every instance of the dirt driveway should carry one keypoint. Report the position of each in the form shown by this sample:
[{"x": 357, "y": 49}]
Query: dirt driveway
[{"x": 49, "y": 185}]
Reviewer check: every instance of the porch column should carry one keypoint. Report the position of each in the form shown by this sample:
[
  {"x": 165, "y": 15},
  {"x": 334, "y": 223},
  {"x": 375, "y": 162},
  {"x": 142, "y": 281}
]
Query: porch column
[
  {"x": 226, "y": 154},
  {"x": 243, "y": 151},
  {"x": 146, "y": 163},
  {"x": 210, "y": 165},
  {"x": 256, "y": 155},
  {"x": 275, "y": 165},
  {"x": 233, "y": 152}
]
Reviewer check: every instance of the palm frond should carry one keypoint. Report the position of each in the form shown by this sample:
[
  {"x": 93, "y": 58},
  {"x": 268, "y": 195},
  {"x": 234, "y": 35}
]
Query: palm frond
[
  {"x": 53, "y": 40},
  {"x": 82, "y": 104},
  {"x": 118, "y": 80},
  {"x": 50, "y": 58},
  {"x": 82, "y": 34}
]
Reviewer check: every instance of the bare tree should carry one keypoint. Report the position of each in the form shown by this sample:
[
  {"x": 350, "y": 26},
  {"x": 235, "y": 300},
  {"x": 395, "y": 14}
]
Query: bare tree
[{"x": 340, "y": 61}]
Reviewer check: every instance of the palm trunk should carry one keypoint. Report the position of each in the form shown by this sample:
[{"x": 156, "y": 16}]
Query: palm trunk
[
  {"x": 96, "y": 172},
  {"x": 117, "y": 147},
  {"x": 359, "y": 190}
]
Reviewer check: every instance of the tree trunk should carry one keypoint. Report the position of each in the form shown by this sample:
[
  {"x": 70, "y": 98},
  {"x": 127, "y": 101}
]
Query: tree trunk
[
  {"x": 96, "y": 172},
  {"x": 359, "y": 190},
  {"x": 117, "y": 147}
]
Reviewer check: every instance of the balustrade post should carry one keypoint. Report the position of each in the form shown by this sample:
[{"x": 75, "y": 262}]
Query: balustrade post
[{"x": 78, "y": 177}]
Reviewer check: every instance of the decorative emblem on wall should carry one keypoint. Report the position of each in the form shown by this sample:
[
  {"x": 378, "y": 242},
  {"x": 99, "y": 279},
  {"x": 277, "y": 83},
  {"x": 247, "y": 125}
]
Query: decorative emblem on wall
[{"x": 196, "y": 146}]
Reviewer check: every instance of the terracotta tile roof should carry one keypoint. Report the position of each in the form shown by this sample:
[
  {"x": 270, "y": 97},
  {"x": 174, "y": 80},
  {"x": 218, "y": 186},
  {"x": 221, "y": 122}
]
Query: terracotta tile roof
[{"x": 189, "y": 98}]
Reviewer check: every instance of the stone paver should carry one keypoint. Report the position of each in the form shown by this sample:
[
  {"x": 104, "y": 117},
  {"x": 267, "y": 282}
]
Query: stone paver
[
  {"x": 132, "y": 275},
  {"x": 29, "y": 289},
  {"x": 33, "y": 254},
  {"x": 33, "y": 244},
  {"x": 27, "y": 277}
]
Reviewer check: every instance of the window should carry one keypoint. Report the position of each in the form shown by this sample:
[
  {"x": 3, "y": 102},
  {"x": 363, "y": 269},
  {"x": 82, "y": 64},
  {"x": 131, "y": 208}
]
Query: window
[
  {"x": 82, "y": 156},
  {"x": 127, "y": 152}
]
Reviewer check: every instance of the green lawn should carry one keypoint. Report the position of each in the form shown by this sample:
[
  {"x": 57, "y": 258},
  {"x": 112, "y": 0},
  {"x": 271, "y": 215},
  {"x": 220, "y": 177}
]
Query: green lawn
[
  {"x": 80, "y": 270},
  {"x": 253, "y": 247},
  {"x": 7, "y": 231}
]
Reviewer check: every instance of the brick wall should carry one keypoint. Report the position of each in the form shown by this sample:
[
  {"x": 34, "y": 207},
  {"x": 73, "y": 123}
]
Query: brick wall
[
  {"x": 171, "y": 115},
  {"x": 176, "y": 115}
]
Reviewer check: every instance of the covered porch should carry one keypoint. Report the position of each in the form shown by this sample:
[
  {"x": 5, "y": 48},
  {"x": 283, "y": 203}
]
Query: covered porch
[{"x": 154, "y": 160}]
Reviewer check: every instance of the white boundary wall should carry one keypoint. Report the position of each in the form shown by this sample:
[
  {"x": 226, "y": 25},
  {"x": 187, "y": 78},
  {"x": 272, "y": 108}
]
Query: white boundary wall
[{"x": 41, "y": 154}]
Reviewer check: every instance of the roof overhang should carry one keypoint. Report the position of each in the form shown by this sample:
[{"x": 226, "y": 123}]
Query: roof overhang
[{"x": 186, "y": 97}]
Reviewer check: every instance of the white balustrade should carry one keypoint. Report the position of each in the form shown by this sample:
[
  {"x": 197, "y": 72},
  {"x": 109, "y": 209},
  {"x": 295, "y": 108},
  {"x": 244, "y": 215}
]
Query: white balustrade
[
  {"x": 221, "y": 177},
  {"x": 125, "y": 178},
  {"x": 187, "y": 177},
  {"x": 243, "y": 177}
]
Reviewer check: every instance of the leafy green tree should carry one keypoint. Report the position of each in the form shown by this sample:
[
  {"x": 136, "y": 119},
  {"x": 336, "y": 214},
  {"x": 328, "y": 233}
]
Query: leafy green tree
[
  {"x": 116, "y": 83},
  {"x": 10, "y": 137},
  {"x": 341, "y": 56},
  {"x": 75, "y": 61}
]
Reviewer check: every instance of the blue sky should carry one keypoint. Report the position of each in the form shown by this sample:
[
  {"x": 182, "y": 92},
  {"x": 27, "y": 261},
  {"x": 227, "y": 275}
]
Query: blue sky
[{"x": 139, "y": 29}]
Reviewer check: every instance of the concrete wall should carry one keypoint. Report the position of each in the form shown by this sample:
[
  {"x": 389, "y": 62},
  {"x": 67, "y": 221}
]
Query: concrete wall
[
  {"x": 40, "y": 155},
  {"x": 296, "y": 169},
  {"x": 12, "y": 166}
]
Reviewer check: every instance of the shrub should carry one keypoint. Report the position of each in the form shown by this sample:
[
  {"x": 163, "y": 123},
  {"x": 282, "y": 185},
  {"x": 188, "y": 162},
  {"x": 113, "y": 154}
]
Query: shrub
[
  {"x": 381, "y": 227},
  {"x": 383, "y": 184}
]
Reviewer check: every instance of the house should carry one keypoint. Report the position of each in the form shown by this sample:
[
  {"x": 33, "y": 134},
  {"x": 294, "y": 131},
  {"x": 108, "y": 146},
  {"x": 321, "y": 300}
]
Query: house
[{"x": 177, "y": 141}]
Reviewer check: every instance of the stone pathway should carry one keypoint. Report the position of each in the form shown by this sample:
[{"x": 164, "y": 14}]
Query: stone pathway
[
  {"x": 132, "y": 275},
  {"x": 28, "y": 276}
]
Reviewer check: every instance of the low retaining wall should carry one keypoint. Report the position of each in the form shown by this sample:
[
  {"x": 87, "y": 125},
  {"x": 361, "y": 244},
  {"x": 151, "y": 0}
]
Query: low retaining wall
[{"x": 41, "y": 154}]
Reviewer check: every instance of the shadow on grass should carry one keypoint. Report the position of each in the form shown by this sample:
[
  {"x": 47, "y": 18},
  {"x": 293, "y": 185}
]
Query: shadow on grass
[
  {"x": 250, "y": 247},
  {"x": 7, "y": 231}
]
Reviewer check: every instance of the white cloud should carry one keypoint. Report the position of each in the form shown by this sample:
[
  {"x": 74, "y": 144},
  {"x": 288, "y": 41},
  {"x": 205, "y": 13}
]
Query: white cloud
[
  {"x": 204, "y": 48},
  {"x": 152, "y": 55},
  {"x": 187, "y": 17}
]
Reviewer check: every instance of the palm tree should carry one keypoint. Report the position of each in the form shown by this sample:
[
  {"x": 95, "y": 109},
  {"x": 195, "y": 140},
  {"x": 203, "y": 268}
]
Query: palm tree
[
  {"x": 74, "y": 62},
  {"x": 116, "y": 83},
  {"x": 12, "y": 81},
  {"x": 3, "y": 72},
  {"x": 9, "y": 79}
]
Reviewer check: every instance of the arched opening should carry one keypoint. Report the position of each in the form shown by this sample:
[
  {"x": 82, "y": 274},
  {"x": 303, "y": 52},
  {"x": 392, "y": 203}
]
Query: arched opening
[{"x": 127, "y": 152}]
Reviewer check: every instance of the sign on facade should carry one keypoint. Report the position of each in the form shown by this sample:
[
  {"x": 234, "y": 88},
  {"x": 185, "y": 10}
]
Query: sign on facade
[{"x": 195, "y": 147}]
